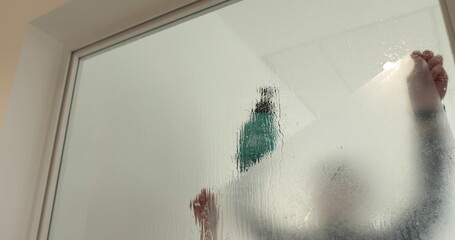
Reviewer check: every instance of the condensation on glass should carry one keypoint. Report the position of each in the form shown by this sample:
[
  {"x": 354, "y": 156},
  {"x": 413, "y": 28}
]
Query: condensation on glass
[{"x": 266, "y": 119}]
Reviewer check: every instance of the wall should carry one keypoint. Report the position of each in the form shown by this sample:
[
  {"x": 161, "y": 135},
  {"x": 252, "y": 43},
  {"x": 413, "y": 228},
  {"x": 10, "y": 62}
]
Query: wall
[
  {"x": 26, "y": 126},
  {"x": 14, "y": 19},
  {"x": 31, "y": 94}
]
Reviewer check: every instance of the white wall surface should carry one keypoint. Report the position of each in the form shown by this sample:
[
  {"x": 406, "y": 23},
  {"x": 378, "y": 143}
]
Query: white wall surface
[
  {"x": 23, "y": 140},
  {"x": 15, "y": 16}
]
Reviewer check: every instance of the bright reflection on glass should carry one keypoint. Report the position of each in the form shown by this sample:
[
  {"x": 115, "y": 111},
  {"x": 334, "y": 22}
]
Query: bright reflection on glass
[
  {"x": 388, "y": 65},
  {"x": 296, "y": 122}
]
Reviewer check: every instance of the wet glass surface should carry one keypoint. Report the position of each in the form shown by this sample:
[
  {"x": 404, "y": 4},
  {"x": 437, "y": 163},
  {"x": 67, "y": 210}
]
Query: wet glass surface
[{"x": 266, "y": 119}]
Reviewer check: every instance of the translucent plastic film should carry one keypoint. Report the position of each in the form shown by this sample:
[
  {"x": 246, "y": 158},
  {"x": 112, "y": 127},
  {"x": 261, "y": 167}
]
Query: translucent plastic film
[
  {"x": 377, "y": 167},
  {"x": 265, "y": 120}
]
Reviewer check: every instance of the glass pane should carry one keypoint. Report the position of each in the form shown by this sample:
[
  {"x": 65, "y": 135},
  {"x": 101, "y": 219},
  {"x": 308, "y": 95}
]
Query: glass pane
[{"x": 266, "y": 119}]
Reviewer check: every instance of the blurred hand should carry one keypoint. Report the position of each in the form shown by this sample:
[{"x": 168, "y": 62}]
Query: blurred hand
[
  {"x": 206, "y": 214},
  {"x": 428, "y": 81}
]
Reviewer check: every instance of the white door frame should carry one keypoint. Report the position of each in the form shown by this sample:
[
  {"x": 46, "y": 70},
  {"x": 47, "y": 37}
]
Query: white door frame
[{"x": 88, "y": 41}]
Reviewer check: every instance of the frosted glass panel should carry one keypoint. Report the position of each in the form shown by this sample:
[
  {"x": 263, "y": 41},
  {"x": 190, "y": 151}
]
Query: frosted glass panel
[{"x": 266, "y": 119}]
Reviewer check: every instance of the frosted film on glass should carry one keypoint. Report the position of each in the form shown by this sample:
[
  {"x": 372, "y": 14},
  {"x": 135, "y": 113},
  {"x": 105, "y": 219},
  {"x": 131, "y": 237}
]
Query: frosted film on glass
[
  {"x": 265, "y": 119},
  {"x": 370, "y": 169}
]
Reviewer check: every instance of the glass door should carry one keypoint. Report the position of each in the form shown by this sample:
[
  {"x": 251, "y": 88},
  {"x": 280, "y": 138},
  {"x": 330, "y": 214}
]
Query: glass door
[{"x": 266, "y": 119}]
